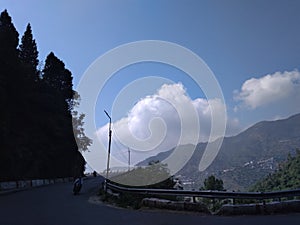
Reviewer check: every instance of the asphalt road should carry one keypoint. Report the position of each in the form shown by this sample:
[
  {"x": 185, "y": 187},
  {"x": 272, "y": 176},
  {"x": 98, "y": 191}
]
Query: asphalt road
[{"x": 56, "y": 205}]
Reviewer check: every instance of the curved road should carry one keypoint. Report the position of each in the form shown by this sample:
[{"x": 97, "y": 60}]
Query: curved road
[{"x": 55, "y": 205}]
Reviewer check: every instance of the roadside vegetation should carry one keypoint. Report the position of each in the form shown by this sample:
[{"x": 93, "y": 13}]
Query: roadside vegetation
[
  {"x": 287, "y": 176},
  {"x": 148, "y": 176}
]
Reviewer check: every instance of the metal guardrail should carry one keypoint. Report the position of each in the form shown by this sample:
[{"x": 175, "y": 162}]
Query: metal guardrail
[{"x": 207, "y": 194}]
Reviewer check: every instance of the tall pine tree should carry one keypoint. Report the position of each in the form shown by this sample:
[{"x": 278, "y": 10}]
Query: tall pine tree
[
  {"x": 58, "y": 80},
  {"x": 28, "y": 54},
  {"x": 56, "y": 76},
  {"x": 9, "y": 39}
]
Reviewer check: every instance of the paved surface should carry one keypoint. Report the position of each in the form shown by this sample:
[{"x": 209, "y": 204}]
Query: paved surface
[{"x": 56, "y": 205}]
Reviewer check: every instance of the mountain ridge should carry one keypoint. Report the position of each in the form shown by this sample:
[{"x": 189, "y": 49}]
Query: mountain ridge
[{"x": 245, "y": 158}]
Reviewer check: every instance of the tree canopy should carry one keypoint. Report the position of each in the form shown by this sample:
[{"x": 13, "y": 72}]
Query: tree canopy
[
  {"x": 28, "y": 54},
  {"x": 212, "y": 183},
  {"x": 36, "y": 130}
]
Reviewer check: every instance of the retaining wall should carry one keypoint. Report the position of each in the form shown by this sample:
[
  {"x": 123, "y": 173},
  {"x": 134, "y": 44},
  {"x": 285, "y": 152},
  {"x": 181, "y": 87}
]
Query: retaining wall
[
  {"x": 175, "y": 205},
  {"x": 254, "y": 209},
  {"x": 21, "y": 184},
  {"x": 290, "y": 206}
]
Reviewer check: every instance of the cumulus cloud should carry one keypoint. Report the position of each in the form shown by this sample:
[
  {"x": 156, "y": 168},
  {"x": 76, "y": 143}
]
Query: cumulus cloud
[
  {"x": 166, "y": 119},
  {"x": 272, "y": 88}
]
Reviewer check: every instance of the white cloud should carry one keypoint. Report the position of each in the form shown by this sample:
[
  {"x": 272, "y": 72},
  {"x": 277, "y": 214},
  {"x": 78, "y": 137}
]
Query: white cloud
[
  {"x": 157, "y": 122},
  {"x": 272, "y": 88}
]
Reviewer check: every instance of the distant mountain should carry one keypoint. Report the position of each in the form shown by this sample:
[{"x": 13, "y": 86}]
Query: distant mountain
[
  {"x": 159, "y": 157},
  {"x": 245, "y": 158}
]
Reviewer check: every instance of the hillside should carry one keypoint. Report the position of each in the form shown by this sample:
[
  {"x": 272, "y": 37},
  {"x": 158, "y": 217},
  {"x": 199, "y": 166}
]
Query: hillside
[
  {"x": 247, "y": 157},
  {"x": 287, "y": 176}
]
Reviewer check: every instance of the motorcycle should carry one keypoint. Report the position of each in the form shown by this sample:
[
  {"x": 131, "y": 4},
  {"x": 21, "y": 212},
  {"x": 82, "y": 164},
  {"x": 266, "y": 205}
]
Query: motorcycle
[{"x": 77, "y": 186}]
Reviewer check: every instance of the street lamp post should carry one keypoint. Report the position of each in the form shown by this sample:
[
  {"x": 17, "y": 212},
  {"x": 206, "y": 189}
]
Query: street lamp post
[
  {"x": 128, "y": 159},
  {"x": 109, "y": 144}
]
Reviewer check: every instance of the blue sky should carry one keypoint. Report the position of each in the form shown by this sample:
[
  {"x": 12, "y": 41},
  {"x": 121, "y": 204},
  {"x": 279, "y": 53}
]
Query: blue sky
[{"x": 239, "y": 40}]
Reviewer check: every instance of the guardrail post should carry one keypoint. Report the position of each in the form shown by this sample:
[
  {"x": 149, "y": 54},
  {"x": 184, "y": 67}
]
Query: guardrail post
[
  {"x": 105, "y": 186},
  {"x": 194, "y": 199},
  {"x": 264, "y": 207}
]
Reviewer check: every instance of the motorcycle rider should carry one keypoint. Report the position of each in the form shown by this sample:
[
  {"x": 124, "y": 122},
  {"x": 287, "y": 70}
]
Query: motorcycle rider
[{"x": 77, "y": 185}]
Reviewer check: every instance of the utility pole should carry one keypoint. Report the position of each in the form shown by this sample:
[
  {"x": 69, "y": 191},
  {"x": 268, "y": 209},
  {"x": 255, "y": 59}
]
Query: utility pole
[
  {"x": 128, "y": 159},
  {"x": 109, "y": 144}
]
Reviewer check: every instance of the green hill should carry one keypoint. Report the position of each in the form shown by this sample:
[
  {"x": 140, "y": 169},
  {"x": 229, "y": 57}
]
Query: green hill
[{"x": 286, "y": 177}]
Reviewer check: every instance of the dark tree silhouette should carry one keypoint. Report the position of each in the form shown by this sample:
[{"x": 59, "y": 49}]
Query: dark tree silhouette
[
  {"x": 28, "y": 54},
  {"x": 212, "y": 183},
  {"x": 9, "y": 38},
  {"x": 36, "y": 133},
  {"x": 58, "y": 77}
]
